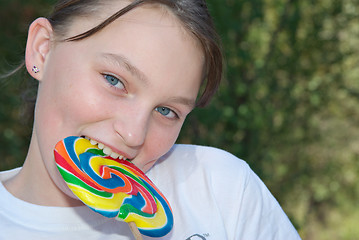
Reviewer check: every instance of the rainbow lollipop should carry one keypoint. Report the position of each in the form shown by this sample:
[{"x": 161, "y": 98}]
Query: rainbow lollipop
[{"x": 112, "y": 187}]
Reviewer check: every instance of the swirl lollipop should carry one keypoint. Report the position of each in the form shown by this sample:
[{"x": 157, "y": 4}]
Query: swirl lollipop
[{"x": 114, "y": 188}]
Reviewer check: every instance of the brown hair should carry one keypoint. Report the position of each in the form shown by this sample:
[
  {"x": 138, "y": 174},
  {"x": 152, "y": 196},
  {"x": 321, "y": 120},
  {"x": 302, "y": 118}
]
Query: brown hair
[{"x": 193, "y": 14}]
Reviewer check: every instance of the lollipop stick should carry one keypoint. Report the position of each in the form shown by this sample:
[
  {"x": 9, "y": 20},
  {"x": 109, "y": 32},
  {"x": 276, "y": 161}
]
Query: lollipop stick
[{"x": 135, "y": 231}]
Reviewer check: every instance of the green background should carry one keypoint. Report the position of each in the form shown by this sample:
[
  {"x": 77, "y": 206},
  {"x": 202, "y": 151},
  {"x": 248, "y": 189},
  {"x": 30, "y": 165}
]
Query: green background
[{"x": 288, "y": 104}]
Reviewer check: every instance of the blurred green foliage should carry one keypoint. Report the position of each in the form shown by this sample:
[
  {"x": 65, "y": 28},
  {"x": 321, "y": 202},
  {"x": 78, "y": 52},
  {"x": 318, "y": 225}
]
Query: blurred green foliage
[
  {"x": 15, "y": 128},
  {"x": 288, "y": 104}
]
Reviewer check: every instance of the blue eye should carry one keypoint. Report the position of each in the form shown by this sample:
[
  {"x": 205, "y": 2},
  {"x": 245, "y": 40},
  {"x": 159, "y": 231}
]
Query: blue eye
[
  {"x": 165, "y": 111},
  {"x": 114, "y": 81}
]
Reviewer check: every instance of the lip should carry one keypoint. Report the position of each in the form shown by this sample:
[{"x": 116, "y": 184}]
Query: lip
[{"x": 114, "y": 149}]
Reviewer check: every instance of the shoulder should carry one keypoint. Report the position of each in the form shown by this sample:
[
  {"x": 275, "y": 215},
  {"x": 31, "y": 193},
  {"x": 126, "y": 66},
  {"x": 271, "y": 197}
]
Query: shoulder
[
  {"x": 193, "y": 164},
  {"x": 4, "y": 175},
  {"x": 221, "y": 169},
  {"x": 210, "y": 160}
]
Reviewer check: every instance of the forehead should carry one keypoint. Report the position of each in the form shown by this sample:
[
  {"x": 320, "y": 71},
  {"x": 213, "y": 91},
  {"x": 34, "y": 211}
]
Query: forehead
[
  {"x": 149, "y": 14},
  {"x": 110, "y": 11}
]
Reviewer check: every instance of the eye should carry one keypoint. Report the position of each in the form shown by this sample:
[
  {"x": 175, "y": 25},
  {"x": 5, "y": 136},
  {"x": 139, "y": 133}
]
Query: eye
[
  {"x": 167, "y": 112},
  {"x": 114, "y": 81}
]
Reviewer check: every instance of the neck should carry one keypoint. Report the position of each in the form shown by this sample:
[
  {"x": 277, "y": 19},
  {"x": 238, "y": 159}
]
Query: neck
[{"x": 33, "y": 183}]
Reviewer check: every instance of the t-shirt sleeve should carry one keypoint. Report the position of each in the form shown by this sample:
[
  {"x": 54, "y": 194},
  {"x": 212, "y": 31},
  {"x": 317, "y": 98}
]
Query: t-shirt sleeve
[
  {"x": 263, "y": 218},
  {"x": 249, "y": 210}
]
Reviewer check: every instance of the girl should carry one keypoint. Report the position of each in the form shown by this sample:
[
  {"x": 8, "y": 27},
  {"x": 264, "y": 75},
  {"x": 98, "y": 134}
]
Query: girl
[{"x": 126, "y": 74}]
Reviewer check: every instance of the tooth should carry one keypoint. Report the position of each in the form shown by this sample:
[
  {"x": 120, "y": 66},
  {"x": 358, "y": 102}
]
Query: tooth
[
  {"x": 87, "y": 138},
  {"x": 93, "y": 142},
  {"x": 114, "y": 155},
  {"x": 107, "y": 150},
  {"x": 101, "y": 146},
  {"x": 121, "y": 157}
]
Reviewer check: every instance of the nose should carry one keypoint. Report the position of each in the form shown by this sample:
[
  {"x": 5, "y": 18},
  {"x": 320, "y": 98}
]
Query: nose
[{"x": 132, "y": 127}]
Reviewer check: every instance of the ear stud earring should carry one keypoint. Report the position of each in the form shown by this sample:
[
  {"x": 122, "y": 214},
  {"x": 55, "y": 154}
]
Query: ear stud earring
[{"x": 35, "y": 69}]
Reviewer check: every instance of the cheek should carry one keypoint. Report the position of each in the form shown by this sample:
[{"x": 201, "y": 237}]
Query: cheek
[
  {"x": 66, "y": 102},
  {"x": 158, "y": 143}
]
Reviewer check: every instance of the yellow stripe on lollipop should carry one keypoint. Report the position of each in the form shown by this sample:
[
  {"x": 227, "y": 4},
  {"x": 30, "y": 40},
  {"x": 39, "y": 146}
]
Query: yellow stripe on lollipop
[
  {"x": 158, "y": 220},
  {"x": 99, "y": 202},
  {"x": 82, "y": 145}
]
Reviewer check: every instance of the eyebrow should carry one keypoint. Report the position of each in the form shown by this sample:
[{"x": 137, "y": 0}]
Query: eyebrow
[
  {"x": 124, "y": 62},
  {"x": 184, "y": 101}
]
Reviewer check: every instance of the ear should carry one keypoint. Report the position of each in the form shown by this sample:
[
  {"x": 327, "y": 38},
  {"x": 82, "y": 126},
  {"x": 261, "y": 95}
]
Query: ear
[{"x": 38, "y": 46}]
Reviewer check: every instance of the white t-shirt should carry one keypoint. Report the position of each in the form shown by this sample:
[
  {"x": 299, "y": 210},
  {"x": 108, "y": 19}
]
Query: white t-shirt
[{"x": 213, "y": 195}]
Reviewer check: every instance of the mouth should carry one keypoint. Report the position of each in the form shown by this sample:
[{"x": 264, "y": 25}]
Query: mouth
[{"x": 107, "y": 151}]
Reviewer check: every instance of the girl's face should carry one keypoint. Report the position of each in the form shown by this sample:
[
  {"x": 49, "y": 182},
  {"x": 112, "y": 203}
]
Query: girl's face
[{"x": 129, "y": 86}]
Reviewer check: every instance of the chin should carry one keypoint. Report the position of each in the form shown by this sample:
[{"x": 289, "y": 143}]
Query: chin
[{"x": 62, "y": 186}]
